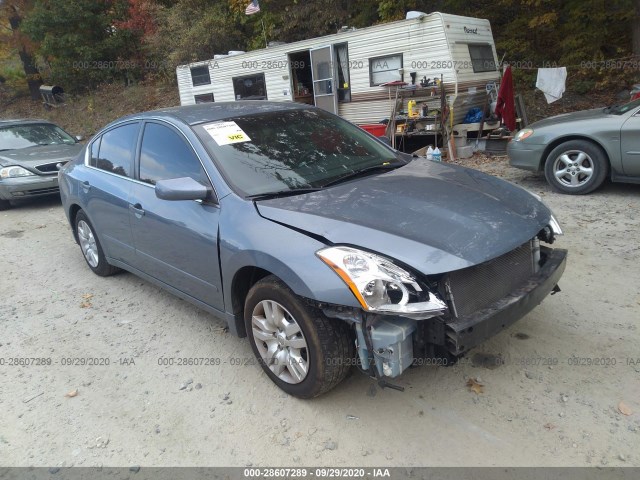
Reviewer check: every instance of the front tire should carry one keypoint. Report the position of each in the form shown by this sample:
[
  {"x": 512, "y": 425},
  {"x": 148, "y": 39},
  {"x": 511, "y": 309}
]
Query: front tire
[
  {"x": 301, "y": 350},
  {"x": 91, "y": 248},
  {"x": 4, "y": 205},
  {"x": 576, "y": 167}
]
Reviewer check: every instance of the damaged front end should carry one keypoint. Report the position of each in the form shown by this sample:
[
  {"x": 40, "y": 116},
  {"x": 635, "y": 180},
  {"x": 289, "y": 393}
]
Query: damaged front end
[{"x": 411, "y": 319}]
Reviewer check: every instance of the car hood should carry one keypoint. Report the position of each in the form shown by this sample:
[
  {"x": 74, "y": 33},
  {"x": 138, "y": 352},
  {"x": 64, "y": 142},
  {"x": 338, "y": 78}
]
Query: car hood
[
  {"x": 33, "y": 156},
  {"x": 593, "y": 114},
  {"x": 434, "y": 217}
]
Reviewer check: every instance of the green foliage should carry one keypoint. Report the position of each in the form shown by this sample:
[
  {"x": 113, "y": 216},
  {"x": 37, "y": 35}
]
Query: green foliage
[
  {"x": 86, "y": 42},
  {"x": 80, "y": 41}
]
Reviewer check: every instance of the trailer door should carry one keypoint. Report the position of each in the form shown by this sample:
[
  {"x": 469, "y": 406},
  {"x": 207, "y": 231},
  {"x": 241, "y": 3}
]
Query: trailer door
[{"x": 325, "y": 92}]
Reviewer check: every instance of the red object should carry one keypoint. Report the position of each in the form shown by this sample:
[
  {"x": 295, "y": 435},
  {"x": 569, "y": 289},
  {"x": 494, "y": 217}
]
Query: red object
[
  {"x": 506, "y": 105},
  {"x": 635, "y": 97},
  {"x": 375, "y": 129}
]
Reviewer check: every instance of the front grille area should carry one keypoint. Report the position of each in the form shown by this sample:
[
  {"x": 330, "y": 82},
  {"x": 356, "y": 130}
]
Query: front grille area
[
  {"x": 49, "y": 167},
  {"x": 38, "y": 191},
  {"x": 477, "y": 287}
]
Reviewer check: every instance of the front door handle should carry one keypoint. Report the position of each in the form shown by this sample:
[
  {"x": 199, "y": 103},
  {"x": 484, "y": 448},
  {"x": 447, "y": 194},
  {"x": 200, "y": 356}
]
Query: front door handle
[
  {"x": 137, "y": 210},
  {"x": 86, "y": 186}
]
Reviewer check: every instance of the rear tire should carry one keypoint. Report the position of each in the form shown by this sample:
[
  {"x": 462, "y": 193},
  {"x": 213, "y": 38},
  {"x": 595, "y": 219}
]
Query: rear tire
[
  {"x": 91, "y": 248},
  {"x": 302, "y": 351},
  {"x": 576, "y": 167}
]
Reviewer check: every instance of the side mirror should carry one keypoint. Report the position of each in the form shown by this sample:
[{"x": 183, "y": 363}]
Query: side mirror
[
  {"x": 79, "y": 138},
  {"x": 185, "y": 188}
]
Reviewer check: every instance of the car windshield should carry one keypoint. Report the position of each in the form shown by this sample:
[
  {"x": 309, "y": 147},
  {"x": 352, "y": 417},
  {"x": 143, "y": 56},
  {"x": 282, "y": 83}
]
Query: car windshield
[
  {"x": 15, "y": 137},
  {"x": 622, "y": 109},
  {"x": 284, "y": 151}
]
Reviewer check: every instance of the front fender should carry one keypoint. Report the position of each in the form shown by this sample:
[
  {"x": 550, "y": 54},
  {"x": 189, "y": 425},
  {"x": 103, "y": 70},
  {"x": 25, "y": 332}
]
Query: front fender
[{"x": 249, "y": 240}]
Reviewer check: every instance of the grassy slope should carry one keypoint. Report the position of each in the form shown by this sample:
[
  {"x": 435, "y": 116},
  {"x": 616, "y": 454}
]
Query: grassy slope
[{"x": 86, "y": 114}]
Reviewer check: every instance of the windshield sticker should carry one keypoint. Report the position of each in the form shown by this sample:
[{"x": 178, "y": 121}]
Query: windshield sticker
[{"x": 225, "y": 133}]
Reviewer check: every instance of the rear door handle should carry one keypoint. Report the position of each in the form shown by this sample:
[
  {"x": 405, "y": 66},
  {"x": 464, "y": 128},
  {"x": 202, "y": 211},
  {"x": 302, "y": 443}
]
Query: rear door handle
[
  {"x": 86, "y": 186},
  {"x": 137, "y": 210}
]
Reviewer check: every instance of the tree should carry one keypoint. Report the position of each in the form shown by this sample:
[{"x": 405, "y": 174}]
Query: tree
[
  {"x": 11, "y": 15},
  {"x": 80, "y": 40},
  {"x": 636, "y": 30}
]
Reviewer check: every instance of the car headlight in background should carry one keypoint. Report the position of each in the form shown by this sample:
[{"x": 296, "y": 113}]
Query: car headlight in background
[
  {"x": 14, "y": 172},
  {"x": 380, "y": 285},
  {"x": 522, "y": 134}
]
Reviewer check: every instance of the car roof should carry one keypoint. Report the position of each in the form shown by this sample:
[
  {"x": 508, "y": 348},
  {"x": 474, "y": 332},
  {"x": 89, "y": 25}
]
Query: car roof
[{"x": 211, "y": 112}]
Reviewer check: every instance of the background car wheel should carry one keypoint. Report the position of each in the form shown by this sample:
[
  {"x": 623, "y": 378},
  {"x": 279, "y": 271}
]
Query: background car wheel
[
  {"x": 5, "y": 205},
  {"x": 90, "y": 246},
  {"x": 305, "y": 353},
  {"x": 576, "y": 167}
]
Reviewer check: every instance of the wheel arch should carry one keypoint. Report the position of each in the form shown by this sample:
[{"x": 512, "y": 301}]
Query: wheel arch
[
  {"x": 245, "y": 278},
  {"x": 73, "y": 212},
  {"x": 568, "y": 138}
]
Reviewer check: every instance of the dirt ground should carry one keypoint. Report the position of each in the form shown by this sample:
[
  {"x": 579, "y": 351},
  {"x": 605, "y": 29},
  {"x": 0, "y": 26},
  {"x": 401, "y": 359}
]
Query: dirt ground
[{"x": 554, "y": 400}]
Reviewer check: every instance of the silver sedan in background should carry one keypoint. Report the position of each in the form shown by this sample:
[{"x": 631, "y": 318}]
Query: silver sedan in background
[
  {"x": 31, "y": 151},
  {"x": 578, "y": 151}
]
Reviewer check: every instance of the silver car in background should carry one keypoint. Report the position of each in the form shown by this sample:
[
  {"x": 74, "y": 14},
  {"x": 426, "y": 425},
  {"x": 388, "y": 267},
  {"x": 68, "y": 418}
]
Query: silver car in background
[
  {"x": 31, "y": 152},
  {"x": 578, "y": 151}
]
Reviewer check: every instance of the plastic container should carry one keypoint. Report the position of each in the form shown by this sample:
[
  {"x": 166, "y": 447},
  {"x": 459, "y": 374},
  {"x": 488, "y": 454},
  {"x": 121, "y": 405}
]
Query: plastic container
[
  {"x": 429, "y": 153},
  {"x": 437, "y": 155},
  {"x": 392, "y": 344},
  {"x": 375, "y": 129},
  {"x": 414, "y": 112}
]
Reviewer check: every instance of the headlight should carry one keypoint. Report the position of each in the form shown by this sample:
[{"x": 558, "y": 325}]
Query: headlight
[
  {"x": 522, "y": 134},
  {"x": 553, "y": 222},
  {"x": 555, "y": 226},
  {"x": 15, "y": 171},
  {"x": 380, "y": 285}
]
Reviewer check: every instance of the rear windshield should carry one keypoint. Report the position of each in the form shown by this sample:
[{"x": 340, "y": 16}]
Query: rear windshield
[
  {"x": 23, "y": 136},
  {"x": 291, "y": 149}
]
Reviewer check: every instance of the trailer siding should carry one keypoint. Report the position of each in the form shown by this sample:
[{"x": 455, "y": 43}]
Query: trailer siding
[{"x": 431, "y": 46}]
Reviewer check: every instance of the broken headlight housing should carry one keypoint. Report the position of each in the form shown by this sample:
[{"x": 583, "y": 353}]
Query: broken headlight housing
[{"x": 380, "y": 285}]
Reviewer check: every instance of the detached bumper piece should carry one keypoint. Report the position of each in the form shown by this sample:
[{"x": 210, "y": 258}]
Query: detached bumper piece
[{"x": 470, "y": 329}]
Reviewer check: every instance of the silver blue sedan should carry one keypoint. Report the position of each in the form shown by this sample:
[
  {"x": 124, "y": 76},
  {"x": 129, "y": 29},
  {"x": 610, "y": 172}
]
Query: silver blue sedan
[
  {"x": 578, "y": 151},
  {"x": 321, "y": 244}
]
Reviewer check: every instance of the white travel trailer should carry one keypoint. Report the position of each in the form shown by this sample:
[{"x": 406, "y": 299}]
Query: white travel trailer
[{"x": 345, "y": 72}]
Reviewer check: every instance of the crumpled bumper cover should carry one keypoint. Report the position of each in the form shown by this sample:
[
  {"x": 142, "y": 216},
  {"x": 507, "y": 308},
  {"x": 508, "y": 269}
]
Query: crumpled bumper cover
[{"x": 466, "y": 332}]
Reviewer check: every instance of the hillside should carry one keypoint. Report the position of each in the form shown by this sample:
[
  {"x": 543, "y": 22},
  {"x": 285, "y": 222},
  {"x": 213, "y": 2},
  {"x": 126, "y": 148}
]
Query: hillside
[{"x": 86, "y": 114}]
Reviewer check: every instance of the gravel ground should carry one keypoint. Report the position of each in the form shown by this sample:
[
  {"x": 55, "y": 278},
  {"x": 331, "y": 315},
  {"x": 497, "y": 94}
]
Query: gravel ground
[{"x": 536, "y": 407}]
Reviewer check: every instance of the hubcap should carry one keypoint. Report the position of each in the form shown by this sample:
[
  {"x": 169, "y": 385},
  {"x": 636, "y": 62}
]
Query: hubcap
[
  {"x": 88, "y": 243},
  {"x": 280, "y": 341},
  {"x": 573, "y": 168}
]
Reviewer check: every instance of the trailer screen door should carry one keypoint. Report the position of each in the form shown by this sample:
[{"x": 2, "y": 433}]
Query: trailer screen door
[{"x": 324, "y": 88}]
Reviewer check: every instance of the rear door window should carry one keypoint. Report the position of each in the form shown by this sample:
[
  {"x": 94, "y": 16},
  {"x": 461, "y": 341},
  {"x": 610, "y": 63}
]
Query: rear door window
[{"x": 117, "y": 148}]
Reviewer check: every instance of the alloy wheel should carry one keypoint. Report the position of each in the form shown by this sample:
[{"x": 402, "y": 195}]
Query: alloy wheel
[
  {"x": 280, "y": 341},
  {"x": 88, "y": 243},
  {"x": 573, "y": 168}
]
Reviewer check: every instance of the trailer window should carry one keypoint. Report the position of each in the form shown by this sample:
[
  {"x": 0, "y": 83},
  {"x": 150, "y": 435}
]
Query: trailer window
[
  {"x": 200, "y": 75},
  {"x": 385, "y": 69},
  {"x": 482, "y": 58},
  {"x": 250, "y": 87},
  {"x": 204, "y": 98}
]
